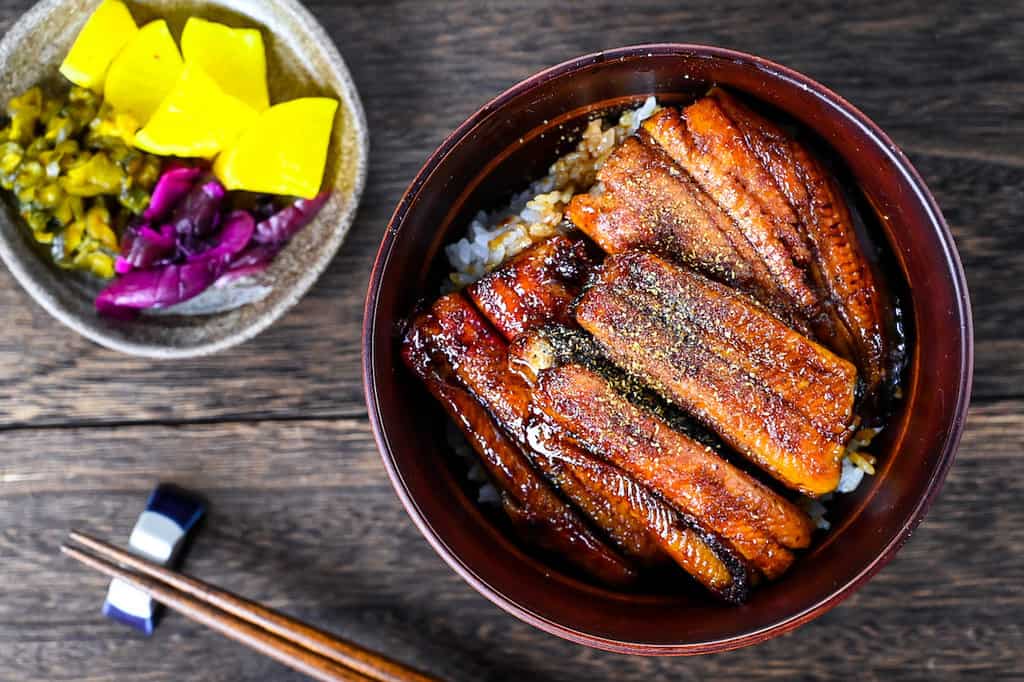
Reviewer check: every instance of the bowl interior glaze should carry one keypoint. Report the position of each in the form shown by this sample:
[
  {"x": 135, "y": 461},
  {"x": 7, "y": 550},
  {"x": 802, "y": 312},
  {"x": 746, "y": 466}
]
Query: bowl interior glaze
[
  {"x": 511, "y": 141},
  {"x": 301, "y": 61}
]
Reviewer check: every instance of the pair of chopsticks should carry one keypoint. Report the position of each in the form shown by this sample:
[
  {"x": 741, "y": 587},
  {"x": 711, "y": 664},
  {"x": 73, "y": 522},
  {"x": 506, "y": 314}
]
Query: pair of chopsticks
[{"x": 314, "y": 652}]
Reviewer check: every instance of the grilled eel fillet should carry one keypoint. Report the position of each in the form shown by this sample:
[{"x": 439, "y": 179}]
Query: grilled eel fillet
[
  {"x": 648, "y": 201},
  {"x": 622, "y": 500},
  {"x": 853, "y": 322},
  {"x": 537, "y": 512},
  {"x": 776, "y": 397},
  {"x": 538, "y": 350},
  {"x": 761, "y": 525},
  {"x": 536, "y": 289},
  {"x": 612, "y": 500},
  {"x": 545, "y": 347},
  {"x": 706, "y": 144},
  {"x": 777, "y": 227},
  {"x": 479, "y": 358}
]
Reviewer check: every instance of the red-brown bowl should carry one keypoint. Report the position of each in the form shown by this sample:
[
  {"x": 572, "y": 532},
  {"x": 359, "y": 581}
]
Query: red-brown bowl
[{"x": 511, "y": 141}]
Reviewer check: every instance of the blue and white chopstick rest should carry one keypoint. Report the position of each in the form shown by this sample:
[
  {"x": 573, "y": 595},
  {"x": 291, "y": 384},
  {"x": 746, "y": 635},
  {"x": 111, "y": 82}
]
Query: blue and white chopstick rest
[{"x": 159, "y": 535}]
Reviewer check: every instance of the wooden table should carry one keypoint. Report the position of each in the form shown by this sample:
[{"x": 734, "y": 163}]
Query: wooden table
[{"x": 275, "y": 433}]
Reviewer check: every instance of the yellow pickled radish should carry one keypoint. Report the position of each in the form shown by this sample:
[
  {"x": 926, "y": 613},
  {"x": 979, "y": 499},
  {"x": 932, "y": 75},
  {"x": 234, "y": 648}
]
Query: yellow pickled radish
[
  {"x": 105, "y": 32},
  {"x": 284, "y": 152},
  {"x": 196, "y": 119},
  {"x": 144, "y": 72},
  {"x": 234, "y": 58}
]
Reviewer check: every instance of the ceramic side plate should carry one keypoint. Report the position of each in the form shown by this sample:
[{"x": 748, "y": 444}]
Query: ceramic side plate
[{"x": 302, "y": 60}]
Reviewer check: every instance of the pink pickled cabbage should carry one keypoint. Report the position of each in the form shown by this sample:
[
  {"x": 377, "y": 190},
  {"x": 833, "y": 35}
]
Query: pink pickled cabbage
[
  {"x": 165, "y": 286},
  {"x": 171, "y": 188},
  {"x": 144, "y": 246},
  {"x": 184, "y": 244},
  {"x": 284, "y": 224}
]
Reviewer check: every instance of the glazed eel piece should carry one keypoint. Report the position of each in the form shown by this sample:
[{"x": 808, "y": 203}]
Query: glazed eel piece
[
  {"x": 713, "y": 559},
  {"x": 479, "y": 358},
  {"x": 707, "y": 145},
  {"x": 761, "y": 525},
  {"x": 853, "y": 323},
  {"x": 536, "y": 510},
  {"x": 535, "y": 289},
  {"x": 808, "y": 377},
  {"x": 621, "y": 499},
  {"x": 729, "y": 363},
  {"x": 650, "y": 202}
]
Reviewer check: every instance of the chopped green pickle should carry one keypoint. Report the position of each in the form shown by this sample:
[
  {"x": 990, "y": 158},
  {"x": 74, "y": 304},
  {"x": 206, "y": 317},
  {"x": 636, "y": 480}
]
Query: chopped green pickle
[
  {"x": 93, "y": 176},
  {"x": 72, "y": 168}
]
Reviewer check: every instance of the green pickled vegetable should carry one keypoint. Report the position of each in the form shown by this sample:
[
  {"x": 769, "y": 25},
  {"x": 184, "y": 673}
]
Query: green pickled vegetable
[
  {"x": 24, "y": 112},
  {"x": 93, "y": 176},
  {"x": 71, "y": 165}
]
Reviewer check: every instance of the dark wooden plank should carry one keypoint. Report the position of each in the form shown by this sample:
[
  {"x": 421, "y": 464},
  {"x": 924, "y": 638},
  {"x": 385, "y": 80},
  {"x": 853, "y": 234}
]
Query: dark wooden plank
[
  {"x": 303, "y": 517},
  {"x": 936, "y": 75},
  {"x": 982, "y": 202}
]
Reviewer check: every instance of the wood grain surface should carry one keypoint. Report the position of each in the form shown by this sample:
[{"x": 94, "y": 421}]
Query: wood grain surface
[{"x": 275, "y": 434}]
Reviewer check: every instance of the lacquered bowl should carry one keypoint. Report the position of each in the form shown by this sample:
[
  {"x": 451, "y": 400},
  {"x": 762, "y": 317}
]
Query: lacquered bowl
[
  {"x": 302, "y": 61},
  {"x": 512, "y": 140}
]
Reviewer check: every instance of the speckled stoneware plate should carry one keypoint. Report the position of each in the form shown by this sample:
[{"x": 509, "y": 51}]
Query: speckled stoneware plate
[{"x": 302, "y": 61}]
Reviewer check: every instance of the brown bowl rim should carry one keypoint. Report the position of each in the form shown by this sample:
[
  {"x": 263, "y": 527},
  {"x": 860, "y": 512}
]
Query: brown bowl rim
[{"x": 952, "y": 265}]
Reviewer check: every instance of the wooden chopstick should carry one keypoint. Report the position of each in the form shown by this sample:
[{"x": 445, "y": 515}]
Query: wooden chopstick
[
  {"x": 305, "y": 648},
  {"x": 283, "y": 651}
]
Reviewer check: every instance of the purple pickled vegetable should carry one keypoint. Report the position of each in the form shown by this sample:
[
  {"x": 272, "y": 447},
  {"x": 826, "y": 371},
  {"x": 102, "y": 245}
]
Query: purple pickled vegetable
[
  {"x": 157, "y": 288},
  {"x": 145, "y": 248},
  {"x": 171, "y": 188},
  {"x": 263, "y": 208},
  {"x": 175, "y": 164},
  {"x": 283, "y": 225},
  {"x": 184, "y": 244},
  {"x": 114, "y": 312},
  {"x": 165, "y": 286},
  {"x": 235, "y": 274},
  {"x": 164, "y": 238},
  {"x": 130, "y": 230},
  {"x": 255, "y": 259},
  {"x": 197, "y": 215},
  {"x": 121, "y": 265},
  {"x": 255, "y": 255},
  {"x": 239, "y": 229}
]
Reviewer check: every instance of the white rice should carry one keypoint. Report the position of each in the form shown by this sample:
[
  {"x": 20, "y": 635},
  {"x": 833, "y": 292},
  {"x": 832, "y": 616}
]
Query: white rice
[
  {"x": 536, "y": 214},
  {"x": 850, "y": 478},
  {"x": 477, "y": 477},
  {"x": 816, "y": 509}
]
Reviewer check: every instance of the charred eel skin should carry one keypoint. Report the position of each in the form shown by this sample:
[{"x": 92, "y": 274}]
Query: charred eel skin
[
  {"x": 709, "y": 147},
  {"x": 650, "y": 202},
  {"x": 703, "y": 555},
  {"x": 808, "y": 377},
  {"x": 536, "y": 510},
  {"x": 534, "y": 289},
  {"x": 479, "y": 358},
  {"x": 729, "y": 193},
  {"x": 708, "y": 558},
  {"x": 852, "y": 319},
  {"x": 761, "y": 525}
]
